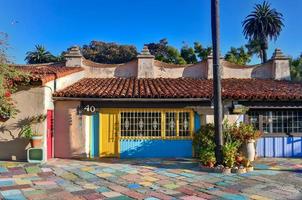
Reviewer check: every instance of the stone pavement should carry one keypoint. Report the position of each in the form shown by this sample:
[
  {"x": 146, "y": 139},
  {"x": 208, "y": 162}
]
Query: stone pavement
[{"x": 149, "y": 179}]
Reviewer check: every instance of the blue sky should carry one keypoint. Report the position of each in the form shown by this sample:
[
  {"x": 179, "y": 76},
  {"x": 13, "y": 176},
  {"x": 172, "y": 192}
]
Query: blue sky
[{"x": 59, "y": 24}]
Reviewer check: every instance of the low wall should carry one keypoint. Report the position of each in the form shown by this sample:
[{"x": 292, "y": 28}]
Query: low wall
[
  {"x": 279, "y": 147},
  {"x": 29, "y": 102},
  {"x": 141, "y": 148}
]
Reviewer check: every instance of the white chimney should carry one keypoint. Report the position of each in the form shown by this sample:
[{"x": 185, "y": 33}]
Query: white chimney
[
  {"x": 73, "y": 57},
  {"x": 145, "y": 64},
  {"x": 281, "y": 68}
]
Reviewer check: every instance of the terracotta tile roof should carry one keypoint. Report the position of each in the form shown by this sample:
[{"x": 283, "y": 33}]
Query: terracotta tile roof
[
  {"x": 248, "y": 89},
  {"x": 44, "y": 73}
]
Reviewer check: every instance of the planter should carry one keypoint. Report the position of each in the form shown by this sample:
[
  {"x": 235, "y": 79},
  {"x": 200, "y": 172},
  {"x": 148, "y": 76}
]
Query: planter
[
  {"x": 249, "y": 150},
  {"x": 36, "y": 141},
  {"x": 238, "y": 170},
  {"x": 241, "y": 170},
  {"x": 250, "y": 169},
  {"x": 227, "y": 170}
]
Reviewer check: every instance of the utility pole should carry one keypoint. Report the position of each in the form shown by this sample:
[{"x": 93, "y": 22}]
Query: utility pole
[{"x": 217, "y": 81}]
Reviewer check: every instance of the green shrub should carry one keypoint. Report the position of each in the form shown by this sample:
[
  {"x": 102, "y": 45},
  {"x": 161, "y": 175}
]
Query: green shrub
[{"x": 230, "y": 150}]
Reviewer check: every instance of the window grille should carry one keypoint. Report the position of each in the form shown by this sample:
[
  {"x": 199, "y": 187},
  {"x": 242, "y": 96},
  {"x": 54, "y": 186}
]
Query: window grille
[
  {"x": 278, "y": 121},
  {"x": 171, "y": 123},
  {"x": 184, "y": 123},
  {"x": 155, "y": 124},
  {"x": 141, "y": 124}
]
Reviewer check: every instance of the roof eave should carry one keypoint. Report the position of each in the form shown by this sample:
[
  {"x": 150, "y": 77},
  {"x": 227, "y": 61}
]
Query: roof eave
[{"x": 131, "y": 99}]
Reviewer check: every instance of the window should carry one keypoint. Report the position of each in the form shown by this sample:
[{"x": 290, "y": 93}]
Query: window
[
  {"x": 277, "y": 121},
  {"x": 171, "y": 123},
  {"x": 184, "y": 123},
  {"x": 141, "y": 124},
  {"x": 158, "y": 124}
]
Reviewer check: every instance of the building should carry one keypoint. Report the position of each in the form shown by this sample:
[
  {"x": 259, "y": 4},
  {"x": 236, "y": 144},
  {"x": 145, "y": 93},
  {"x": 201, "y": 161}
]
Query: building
[{"x": 147, "y": 108}]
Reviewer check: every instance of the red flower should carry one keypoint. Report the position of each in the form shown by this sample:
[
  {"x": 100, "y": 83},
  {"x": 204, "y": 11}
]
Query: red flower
[{"x": 7, "y": 94}]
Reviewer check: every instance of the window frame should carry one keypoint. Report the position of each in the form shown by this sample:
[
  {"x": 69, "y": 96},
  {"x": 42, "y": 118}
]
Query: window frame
[
  {"x": 163, "y": 123},
  {"x": 262, "y": 115}
]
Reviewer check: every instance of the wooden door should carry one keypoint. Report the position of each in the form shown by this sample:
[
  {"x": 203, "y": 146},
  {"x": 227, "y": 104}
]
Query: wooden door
[
  {"x": 109, "y": 133},
  {"x": 50, "y": 134}
]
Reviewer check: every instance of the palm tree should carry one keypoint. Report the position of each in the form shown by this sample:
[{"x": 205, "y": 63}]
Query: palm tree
[
  {"x": 39, "y": 55},
  {"x": 238, "y": 56},
  {"x": 254, "y": 48},
  {"x": 263, "y": 24}
]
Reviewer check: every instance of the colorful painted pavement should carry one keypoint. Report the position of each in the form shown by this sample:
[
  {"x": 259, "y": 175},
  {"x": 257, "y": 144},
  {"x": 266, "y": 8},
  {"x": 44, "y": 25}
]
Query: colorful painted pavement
[{"x": 147, "y": 179}]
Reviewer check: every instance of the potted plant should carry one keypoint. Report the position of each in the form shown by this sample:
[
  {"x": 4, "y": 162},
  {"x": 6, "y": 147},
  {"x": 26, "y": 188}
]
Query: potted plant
[
  {"x": 207, "y": 157},
  {"x": 229, "y": 151},
  {"x": 35, "y": 137},
  {"x": 248, "y": 135}
]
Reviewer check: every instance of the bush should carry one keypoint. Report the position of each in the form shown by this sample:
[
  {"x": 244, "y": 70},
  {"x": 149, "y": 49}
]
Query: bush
[
  {"x": 234, "y": 136},
  {"x": 244, "y": 132},
  {"x": 204, "y": 144}
]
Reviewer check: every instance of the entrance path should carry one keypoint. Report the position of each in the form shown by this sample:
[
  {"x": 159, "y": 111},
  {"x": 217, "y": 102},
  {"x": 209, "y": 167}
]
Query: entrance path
[{"x": 147, "y": 179}]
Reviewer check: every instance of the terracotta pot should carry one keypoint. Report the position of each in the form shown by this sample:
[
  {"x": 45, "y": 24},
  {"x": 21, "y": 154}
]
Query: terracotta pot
[
  {"x": 210, "y": 164},
  {"x": 239, "y": 159},
  {"x": 36, "y": 141}
]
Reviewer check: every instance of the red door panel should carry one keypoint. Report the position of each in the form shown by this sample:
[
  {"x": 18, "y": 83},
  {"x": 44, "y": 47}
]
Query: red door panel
[{"x": 49, "y": 134}]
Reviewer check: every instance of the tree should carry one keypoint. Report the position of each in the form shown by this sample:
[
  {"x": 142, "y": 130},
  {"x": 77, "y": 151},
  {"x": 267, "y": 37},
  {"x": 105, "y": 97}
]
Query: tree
[
  {"x": 110, "y": 53},
  {"x": 254, "y": 48},
  {"x": 8, "y": 75},
  {"x": 3, "y": 48},
  {"x": 296, "y": 68},
  {"x": 238, "y": 56},
  {"x": 166, "y": 53},
  {"x": 39, "y": 55},
  {"x": 201, "y": 52},
  {"x": 263, "y": 24},
  {"x": 188, "y": 54}
]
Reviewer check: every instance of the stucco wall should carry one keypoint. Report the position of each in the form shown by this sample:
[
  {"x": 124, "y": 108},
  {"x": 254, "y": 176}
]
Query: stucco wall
[
  {"x": 59, "y": 84},
  {"x": 29, "y": 102},
  {"x": 69, "y": 130},
  {"x": 150, "y": 68},
  {"x": 198, "y": 70},
  {"x": 231, "y": 70},
  {"x": 96, "y": 70}
]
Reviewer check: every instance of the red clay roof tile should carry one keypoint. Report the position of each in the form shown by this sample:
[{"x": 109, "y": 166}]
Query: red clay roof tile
[
  {"x": 47, "y": 72},
  {"x": 249, "y": 89}
]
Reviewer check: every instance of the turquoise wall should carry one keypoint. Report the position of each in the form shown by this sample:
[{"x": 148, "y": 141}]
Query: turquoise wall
[
  {"x": 142, "y": 148},
  {"x": 95, "y": 131}
]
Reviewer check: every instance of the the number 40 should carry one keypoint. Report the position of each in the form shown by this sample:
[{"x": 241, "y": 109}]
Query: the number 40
[{"x": 89, "y": 108}]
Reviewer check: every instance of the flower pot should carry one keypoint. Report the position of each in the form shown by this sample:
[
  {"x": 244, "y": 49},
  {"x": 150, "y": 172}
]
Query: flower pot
[
  {"x": 249, "y": 150},
  {"x": 227, "y": 170},
  {"x": 241, "y": 170},
  {"x": 36, "y": 141},
  {"x": 210, "y": 164},
  {"x": 239, "y": 159},
  {"x": 250, "y": 169}
]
